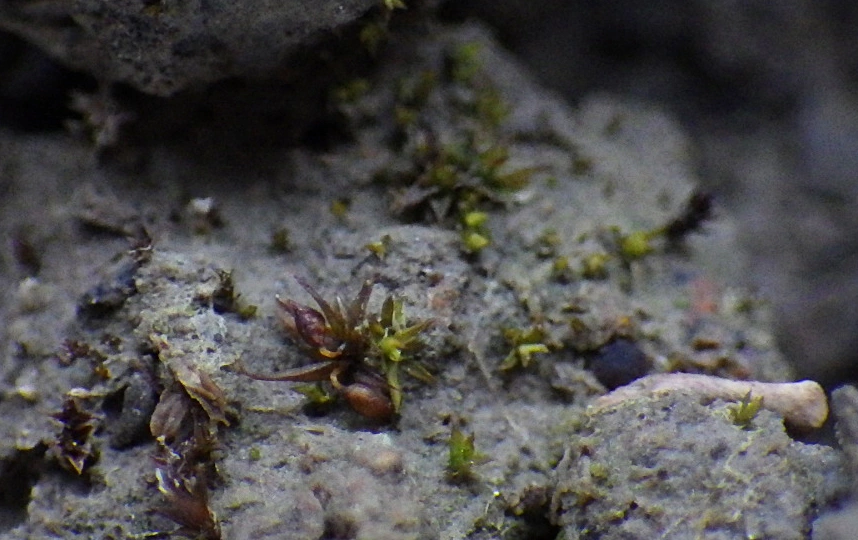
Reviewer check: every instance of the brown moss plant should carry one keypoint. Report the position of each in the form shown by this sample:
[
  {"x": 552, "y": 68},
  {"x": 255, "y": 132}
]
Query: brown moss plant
[{"x": 359, "y": 354}]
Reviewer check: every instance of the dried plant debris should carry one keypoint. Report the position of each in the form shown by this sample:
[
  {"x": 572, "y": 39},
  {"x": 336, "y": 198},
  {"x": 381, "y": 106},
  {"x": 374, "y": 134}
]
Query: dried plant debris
[
  {"x": 110, "y": 294},
  {"x": 104, "y": 213},
  {"x": 201, "y": 388},
  {"x": 197, "y": 384},
  {"x": 73, "y": 350},
  {"x": 184, "y": 485},
  {"x": 185, "y": 424},
  {"x": 73, "y": 447},
  {"x": 361, "y": 355},
  {"x": 171, "y": 414}
]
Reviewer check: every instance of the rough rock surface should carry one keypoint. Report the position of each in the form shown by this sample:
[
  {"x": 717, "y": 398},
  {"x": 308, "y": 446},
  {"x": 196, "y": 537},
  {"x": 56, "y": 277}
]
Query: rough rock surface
[
  {"x": 767, "y": 92},
  {"x": 163, "y": 47},
  {"x": 633, "y": 473},
  {"x": 88, "y": 325}
]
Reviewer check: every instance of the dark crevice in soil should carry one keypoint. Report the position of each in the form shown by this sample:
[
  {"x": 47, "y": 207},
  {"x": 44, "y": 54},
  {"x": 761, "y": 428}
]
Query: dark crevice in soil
[
  {"x": 34, "y": 90},
  {"x": 18, "y": 474}
]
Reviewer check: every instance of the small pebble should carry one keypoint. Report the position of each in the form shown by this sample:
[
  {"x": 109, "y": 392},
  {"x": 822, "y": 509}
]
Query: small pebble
[
  {"x": 618, "y": 363},
  {"x": 381, "y": 462}
]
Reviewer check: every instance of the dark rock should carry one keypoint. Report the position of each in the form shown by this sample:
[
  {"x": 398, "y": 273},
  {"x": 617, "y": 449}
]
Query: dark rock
[
  {"x": 164, "y": 47},
  {"x": 618, "y": 363}
]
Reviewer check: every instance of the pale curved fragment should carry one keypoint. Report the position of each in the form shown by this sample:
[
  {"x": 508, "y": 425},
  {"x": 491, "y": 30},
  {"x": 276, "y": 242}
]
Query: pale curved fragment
[{"x": 802, "y": 404}]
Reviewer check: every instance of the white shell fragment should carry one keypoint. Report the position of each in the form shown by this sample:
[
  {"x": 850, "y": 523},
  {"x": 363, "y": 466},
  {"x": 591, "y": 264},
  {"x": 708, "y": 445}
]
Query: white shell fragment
[{"x": 802, "y": 404}]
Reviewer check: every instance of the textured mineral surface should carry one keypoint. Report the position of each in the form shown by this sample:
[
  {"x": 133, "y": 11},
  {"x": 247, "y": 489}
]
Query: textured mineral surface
[
  {"x": 162, "y": 47},
  {"x": 142, "y": 271},
  {"x": 635, "y": 472}
]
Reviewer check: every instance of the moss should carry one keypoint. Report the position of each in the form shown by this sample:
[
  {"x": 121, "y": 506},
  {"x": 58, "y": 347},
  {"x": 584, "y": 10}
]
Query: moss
[
  {"x": 315, "y": 394},
  {"x": 359, "y": 354},
  {"x": 525, "y": 342},
  {"x": 340, "y": 207},
  {"x": 281, "y": 241},
  {"x": 582, "y": 166},
  {"x": 373, "y": 34},
  {"x": 490, "y": 108},
  {"x": 547, "y": 243},
  {"x": 463, "y": 62},
  {"x": 379, "y": 249},
  {"x": 414, "y": 92},
  {"x": 393, "y": 339},
  {"x": 475, "y": 235},
  {"x": 561, "y": 270},
  {"x": 594, "y": 265},
  {"x": 462, "y": 455},
  {"x": 457, "y": 174},
  {"x": 394, "y": 4},
  {"x": 351, "y": 91},
  {"x": 743, "y": 413},
  {"x": 636, "y": 244}
]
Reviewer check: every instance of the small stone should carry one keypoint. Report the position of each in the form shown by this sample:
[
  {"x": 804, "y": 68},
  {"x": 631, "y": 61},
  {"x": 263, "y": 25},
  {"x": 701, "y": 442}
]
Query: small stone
[{"x": 618, "y": 363}]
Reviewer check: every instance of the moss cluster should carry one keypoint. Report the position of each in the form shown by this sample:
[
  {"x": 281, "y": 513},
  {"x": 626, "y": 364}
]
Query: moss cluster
[
  {"x": 360, "y": 354},
  {"x": 459, "y": 165}
]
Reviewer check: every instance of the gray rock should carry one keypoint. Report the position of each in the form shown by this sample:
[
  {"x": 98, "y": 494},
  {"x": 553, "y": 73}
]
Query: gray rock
[
  {"x": 672, "y": 466},
  {"x": 288, "y": 470},
  {"x": 767, "y": 90},
  {"x": 164, "y": 47}
]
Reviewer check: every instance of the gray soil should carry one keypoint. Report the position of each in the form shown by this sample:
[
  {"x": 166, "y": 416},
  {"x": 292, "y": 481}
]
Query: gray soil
[{"x": 135, "y": 339}]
